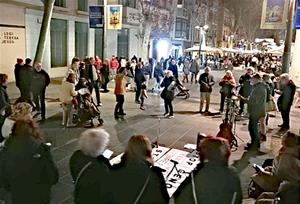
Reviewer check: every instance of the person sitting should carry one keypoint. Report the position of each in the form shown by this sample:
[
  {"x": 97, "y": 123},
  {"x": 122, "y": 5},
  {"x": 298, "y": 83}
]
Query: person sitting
[
  {"x": 214, "y": 181},
  {"x": 90, "y": 169},
  {"x": 135, "y": 179},
  {"x": 27, "y": 169},
  {"x": 284, "y": 175}
]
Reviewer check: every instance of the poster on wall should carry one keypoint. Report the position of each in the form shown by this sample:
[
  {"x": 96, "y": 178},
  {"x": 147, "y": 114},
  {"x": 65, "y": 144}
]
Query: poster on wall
[
  {"x": 114, "y": 17},
  {"x": 297, "y": 16},
  {"x": 274, "y": 14},
  {"x": 96, "y": 16}
]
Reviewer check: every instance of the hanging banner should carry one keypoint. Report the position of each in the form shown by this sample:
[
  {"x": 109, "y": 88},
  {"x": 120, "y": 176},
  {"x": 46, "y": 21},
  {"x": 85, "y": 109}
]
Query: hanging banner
[
  {"x": 274, "y": 14},
  {"x": 297, "y": 16},
  {"x": 96, "y": 16},
  {"x": 114, "y": 17}
]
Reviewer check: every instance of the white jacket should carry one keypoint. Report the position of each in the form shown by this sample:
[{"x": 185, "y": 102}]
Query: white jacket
[{"x": 67, "y": 92}]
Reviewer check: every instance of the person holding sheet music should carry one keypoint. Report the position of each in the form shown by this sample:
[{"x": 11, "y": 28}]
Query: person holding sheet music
[{"x": 214, "y": 182}]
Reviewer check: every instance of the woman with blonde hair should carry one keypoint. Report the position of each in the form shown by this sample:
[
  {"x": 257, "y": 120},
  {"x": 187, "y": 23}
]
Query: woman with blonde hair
[
  {"x": 135, "y": 179},
  {"x": 90, "y": 169}
]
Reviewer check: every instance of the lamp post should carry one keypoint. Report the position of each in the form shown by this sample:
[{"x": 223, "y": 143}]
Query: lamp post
[{"x": 202, "y": 31}]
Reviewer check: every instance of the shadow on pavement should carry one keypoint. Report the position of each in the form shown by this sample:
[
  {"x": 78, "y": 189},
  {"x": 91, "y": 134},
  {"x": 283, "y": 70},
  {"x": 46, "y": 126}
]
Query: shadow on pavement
[{"x": 243, "y": 163}]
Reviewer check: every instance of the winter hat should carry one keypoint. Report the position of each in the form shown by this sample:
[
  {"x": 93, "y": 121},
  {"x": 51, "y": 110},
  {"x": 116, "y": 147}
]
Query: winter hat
[{"x": 19, "y": 60}]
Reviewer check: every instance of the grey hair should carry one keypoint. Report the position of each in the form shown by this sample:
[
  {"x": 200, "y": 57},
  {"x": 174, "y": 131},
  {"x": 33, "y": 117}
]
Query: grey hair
[
  {"x": 285, "y": 76},
  {"x": 93, "y": 142}
]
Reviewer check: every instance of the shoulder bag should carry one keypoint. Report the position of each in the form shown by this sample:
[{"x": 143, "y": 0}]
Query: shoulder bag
[
  {"x": 82, "y": 171},
  {"x": 143, "y": 189}
]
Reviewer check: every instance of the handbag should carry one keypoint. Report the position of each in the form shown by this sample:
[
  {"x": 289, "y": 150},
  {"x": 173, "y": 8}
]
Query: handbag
[{"x": 271, "y": 105}]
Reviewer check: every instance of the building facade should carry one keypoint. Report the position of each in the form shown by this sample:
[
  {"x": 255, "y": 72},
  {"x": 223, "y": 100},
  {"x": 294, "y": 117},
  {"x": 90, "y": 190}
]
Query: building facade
[{"x": 69, "y": 34}]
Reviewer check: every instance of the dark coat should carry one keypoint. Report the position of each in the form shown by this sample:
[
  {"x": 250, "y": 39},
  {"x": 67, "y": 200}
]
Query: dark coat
[
  {"x": 40, "y": 80},
  {"x": 214, "y": 184},
  {"x": 257, "y": 100},
  {"x": 245, "y": 85},
  {"x": 166, "y": 83},
  {"x": 93, "y": 185},
  {"x": 27, "y": 170},
  {"x": 25, "y": 78},
  {"x": 174, "y": 69},
  {"x": 17, "y": 75},
  {"x": 285, "y": 100},
  {"x": 139, "y": 77},
  {"x": 206, "y": 82},
  {"x": 4, "y": 100},
  {"x": 129, "y": 178}
]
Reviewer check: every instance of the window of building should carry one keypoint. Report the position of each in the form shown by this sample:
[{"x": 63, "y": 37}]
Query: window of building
[
  {"x": 99, "y": 42},
  {"x": 60, "y": 3},
  {"x": 82, "y": 5},
  {"x": 123, "y": 36},
  {"x": 81, "y": 39},
  {"x": 128, "y": 3},
  {"x": 58, "y": 35},
  {"x": 100, "y": 2},
  {"x": 180, "y": 28}
]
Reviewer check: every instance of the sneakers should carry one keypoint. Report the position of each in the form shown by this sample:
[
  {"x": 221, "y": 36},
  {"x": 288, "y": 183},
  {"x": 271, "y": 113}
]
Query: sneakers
[
  {"x": 166, "y": 114},
  {"x": 170, "y": 116},
  {"x": 142, "y": 108}
]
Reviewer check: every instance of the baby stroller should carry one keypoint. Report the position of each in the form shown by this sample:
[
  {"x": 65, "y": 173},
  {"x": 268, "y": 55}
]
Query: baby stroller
[
  {"x": 87, "y": 111},
  {"x": 183, "y": 91}
]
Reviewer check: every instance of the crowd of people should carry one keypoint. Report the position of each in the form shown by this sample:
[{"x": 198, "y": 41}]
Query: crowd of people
[{"x": 27, "y": 169}]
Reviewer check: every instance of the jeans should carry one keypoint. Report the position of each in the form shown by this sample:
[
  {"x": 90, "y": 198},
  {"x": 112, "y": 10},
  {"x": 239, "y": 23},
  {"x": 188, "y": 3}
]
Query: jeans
[
  {"x": 39, "y": 101},
  {"x": 253, "y": 130},
  {"x": 95, "y": 85},
  {"x": 222, "y": 102},
  {"x": 119, "y": 106},
  {"x": 168, "y": 107}
]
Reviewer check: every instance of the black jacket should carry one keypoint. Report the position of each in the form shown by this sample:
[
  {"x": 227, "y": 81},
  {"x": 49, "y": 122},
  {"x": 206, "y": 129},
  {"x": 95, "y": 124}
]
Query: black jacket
[
  {"x": 27, "y": 170},
  {"x": 174, "y": 69},
  {"x": 245, "y": 85},
  {"x": 214, "y": 184},
  {"x": 285, "y": 100},
  {"x": 4, "y": 100},
  {"x": 206, "y": 82},
  {"x": 257, "y": 100},
  {"x": 17, "y": 75},
  {"x": 25, "y": 77},
  {"x": 139, "y": 77},
  {"x": 94, "y": 184},
  {"x": 129, "y": 178},
  {"x": 40, "y": 80}
]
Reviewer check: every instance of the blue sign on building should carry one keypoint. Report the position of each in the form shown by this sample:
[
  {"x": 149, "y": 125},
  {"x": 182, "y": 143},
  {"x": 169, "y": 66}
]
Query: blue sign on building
[
  {"x": 96, "y": 16},
  {"x": 297, "y": 16}
]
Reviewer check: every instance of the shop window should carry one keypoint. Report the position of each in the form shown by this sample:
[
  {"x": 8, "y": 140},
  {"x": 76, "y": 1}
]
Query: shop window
[
  {"x": 81, "y": 39},
  {"x": 83, "y": 5},
  {"x": 58, "y": 35}
]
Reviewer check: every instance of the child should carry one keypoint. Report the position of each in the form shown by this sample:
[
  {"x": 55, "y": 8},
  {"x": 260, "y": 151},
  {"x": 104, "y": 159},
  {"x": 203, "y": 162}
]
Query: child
[{"x": 143, "y": 95}]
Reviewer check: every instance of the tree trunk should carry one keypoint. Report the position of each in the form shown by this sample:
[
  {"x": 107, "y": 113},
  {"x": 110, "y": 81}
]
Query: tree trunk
[
  {"x": 220, "y": 23},
  {"x": 48, "y": 8}
]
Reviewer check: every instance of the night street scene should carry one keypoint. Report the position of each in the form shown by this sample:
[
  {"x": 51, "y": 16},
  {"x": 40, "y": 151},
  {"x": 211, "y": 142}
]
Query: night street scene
[{"x": 149, "y": 102}]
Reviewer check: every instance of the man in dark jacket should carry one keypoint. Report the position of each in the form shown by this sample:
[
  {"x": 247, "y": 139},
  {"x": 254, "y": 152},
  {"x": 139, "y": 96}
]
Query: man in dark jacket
[
  {"x": 25, "y": 77},
  {"x": 285, "y": 100},
  {"x": 173, "y": 68},
  {"x": 40, "y": 80},
  {"x": 245, "y": 87},
  {"x": 18, "y": 66},
  {"x": 256, "y": 109},
  {"x": 206, "y": 81},
  {"x": 139, "y": 79}
]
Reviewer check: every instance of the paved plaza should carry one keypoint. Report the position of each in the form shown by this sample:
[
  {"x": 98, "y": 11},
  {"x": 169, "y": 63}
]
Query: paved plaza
[{"x": 173, "y": 133}]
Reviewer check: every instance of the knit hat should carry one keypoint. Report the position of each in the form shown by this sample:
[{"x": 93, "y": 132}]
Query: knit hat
[
  {"x": 20, "y": 110},
  {"x": 19, "y": 60}
]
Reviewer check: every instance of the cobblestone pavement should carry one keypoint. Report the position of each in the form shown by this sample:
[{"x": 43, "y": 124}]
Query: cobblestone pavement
[{"x": 172, "y": 132}]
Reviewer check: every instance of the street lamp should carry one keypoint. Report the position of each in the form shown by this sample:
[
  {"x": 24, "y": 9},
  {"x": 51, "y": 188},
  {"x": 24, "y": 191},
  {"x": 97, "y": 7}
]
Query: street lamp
[{"x": 202, "y": 31}]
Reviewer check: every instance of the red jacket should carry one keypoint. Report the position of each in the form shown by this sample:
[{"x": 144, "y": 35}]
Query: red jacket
[{"x": 114, "y": 64}]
